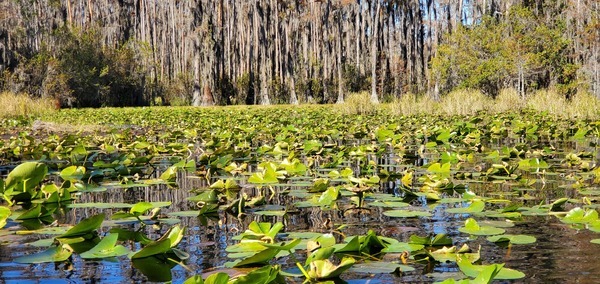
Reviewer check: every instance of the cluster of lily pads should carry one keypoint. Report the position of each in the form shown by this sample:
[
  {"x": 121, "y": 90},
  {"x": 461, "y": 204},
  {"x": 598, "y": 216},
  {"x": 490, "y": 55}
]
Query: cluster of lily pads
[{"x": 404, "y": 168}]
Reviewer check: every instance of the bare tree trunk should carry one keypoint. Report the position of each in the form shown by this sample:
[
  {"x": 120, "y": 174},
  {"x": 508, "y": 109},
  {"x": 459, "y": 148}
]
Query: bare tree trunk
[
  {"x": 375, "y": 28},
  {"x": 340, "y": 97},
  {"x": 196, "y": 93}
]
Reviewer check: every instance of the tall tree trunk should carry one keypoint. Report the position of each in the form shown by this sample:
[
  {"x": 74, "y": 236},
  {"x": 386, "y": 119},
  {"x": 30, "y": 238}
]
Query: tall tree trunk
[{"x": 375, "y": 29}]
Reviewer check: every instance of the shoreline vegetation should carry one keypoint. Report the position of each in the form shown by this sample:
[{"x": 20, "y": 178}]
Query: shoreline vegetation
[
  {"x": 201, "y": 53},
  {"x": 462, "y": 102}
]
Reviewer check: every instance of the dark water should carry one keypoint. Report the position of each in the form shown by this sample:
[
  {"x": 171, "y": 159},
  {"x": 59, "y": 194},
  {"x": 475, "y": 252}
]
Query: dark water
[{"x": 560, "y": 255}]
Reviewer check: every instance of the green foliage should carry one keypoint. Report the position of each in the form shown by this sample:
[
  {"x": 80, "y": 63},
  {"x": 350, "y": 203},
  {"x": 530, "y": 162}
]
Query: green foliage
[
  {"x": 79, "y": 70},
  {"x": 496, "y": 54}
]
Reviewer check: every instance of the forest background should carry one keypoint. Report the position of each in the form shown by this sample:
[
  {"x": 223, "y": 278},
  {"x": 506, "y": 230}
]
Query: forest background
[{"x": 84, "y": 53}]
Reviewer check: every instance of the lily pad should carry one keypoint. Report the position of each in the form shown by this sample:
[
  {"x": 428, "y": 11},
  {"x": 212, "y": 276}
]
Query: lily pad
[
  {"x": 472, "y": 270},
  {"x": 53, "y": 254},
  {"x": 476, "y": 206},
  {"x": 406, "y": 213},
  {"x": 400, "y": 247},
  {"x": 513, "y": 239},
  {"x": 473, "y": 228},
  {"x": 106, "y": 248},
  {"x": 379, "y": 267}
]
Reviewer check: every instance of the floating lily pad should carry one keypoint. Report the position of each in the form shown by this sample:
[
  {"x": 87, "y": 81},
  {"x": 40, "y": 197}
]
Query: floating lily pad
[
  {"x": 389, "y": 204},
  {"x": 101, "y": 205},
  {"x": 473, "y": 228},
  {"x": 106, "y": 248},
  {"x": 270, "y": 213},
  {"x": 53, "y": 254},
  {"x": 513, "y": 239},
  {"x": 476, "y": 206},
  {"x": 472, "y": 270},
  {"x": 379, "y": 267},
  {"x": 191, "y": 213},
  {"x": 400, "y": 247},
  {"x": 406, "y": 213}
]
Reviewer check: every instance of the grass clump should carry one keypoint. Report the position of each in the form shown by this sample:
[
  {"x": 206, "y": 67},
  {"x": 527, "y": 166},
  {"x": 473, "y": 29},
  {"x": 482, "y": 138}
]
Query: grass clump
[
  {"x": 469, "y": 102},
  {"x": 411, "y": 104},
  {"x": 507, "y": 100},
  {"x": 24, "y": 105},
  {"x": 584, "y": 105},
  {"x": 464, "y": 102},
  {"x": 548, "y": 101},
  {"x": 358, "y": 103}
]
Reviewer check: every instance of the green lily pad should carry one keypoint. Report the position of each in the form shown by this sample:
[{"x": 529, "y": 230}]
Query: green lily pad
[
  {"x": 580, "y": 216},
  {"x": 449, "y": 254},
  {"x": 4, "y": 214},
  {"x": 216, "y": 278},
  {"x": 473, "y": 228},
  {"x": 163, "y": 245},
  {"x": 259, "y": 258},
  {"x": 389, "y": 204},
  {"x": 73, "y": 173},
  {"x": 324, "y": 269},
  {"x": 53, "y": 254},
  {"x": 266, "y": 274},
  {"x": 379, "y": 267},
  {"x": 476, "y": 206},
  {"x": 25, "y": 176},
  {"x": 513, "y": 239},
  {"x": 437, "y": 240},
  {"x": 106, "y": 248},
  {"x": 400, "y": 247},
  {"x": 406, "y": 213},
  {"x": 472, "y": 270},
  {"x": 84, "y": 227},
  {"x": 270, "y": 213}
]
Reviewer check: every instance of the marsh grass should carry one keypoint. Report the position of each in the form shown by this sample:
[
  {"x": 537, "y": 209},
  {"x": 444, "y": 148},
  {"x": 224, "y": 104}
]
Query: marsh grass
[
  {"x": 468, "y": 102},
  {"x": 507, "y": 100},
  {"x": 584, "y": 105},
  {"x": 358, "y": 103},
  {"x": 23, "y": 105},
  {"x": 548, "y": 101},
  {"x": 464, "y": 102},
  {"x": 411, "y": 104}
]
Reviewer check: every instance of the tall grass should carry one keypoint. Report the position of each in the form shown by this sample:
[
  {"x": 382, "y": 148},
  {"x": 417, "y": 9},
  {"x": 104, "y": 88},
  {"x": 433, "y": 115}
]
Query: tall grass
[
  {"x": 507, "y": 100},
  {"x": 464, "y": 102},
  {"x": 548, "y": 101},
  {"x": 12, "y": 104},
  {"x": 584, "y": 105},
  {"x": 467, "y": 102},
  {"x": 411, "y": 104},
  {"x": 358, "y": 103}
]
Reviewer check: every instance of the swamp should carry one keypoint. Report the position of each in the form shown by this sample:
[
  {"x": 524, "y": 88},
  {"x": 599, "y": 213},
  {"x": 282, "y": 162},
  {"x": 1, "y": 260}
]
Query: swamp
[{"x": 294, "y": 194}]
